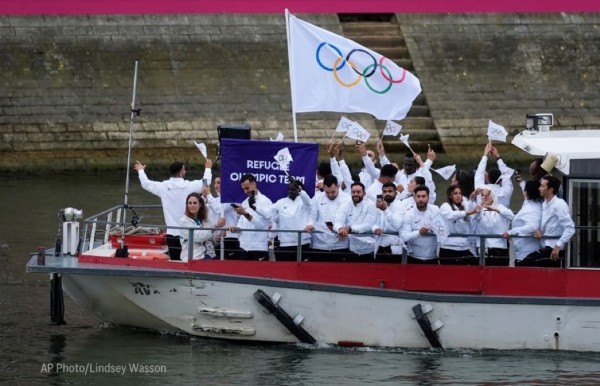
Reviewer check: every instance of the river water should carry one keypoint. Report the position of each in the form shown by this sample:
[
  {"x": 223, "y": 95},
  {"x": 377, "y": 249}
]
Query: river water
[{"x": 85, "y": 352}]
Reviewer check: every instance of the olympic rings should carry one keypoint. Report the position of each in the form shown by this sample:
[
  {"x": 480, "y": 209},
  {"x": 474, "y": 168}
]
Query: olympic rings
[
  {"x": 337, "y": 50},
  {"x": 358, "y": 72},
  {"x": 366, "y": 73},
  {"x": 335, "y": 74},
  {"x": 389, "y": 79},
  {"x": 367, "y": 81},
  {"x": 359, "y": 134}
]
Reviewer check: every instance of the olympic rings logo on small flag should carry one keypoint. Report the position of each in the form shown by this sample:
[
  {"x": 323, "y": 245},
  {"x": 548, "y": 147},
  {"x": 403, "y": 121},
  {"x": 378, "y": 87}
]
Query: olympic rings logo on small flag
[{"x": 367, "y": 72}]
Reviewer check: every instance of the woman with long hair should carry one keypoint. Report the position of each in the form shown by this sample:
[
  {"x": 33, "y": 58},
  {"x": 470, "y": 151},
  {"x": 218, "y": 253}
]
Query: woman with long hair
[
  {"x": 455, "y": 212},
  {"x": 526, "y": 221},
  {"x": 465, "y": 181},
  {"x": 195, "y": 218},
  {"x": 493, "y": 218}
]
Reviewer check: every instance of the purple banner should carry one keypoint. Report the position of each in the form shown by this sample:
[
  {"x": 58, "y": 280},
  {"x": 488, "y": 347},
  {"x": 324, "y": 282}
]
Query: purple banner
[{"x": 241, "y": 156}]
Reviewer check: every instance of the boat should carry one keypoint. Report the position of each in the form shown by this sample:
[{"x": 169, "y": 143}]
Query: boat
[{"x": 345, "y": 303}]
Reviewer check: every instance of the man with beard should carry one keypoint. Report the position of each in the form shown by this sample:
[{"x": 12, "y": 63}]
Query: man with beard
[
  {"x": 326, "y": 246},
  {"x": 254, "y": 244},
  {"x": 287, "y": 213},
  {"x": 417, "y": 227},
  {"x": 358, "y": 216},
  {"x": 387, "y": 174},
  {"x": 389, "y": 220}
]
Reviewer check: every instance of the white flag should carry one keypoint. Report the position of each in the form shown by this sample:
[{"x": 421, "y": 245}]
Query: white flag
[
  {"x": 331, "y": 73},
  {"x": 363, "y": 239},
  {"x": 392, "y": 128},
  {"x": 438, "y": 226},
  {"x": 278, "y": 138},
  {"x": 283, "y": 158},
  {"x": 344, "y": 125},
  {"x": 358, "y": 133},
  {"x": 202, "y": 148},
  {"x": 404, "y": 140},
  {"x": 446, "y": 172},
  {"x": 496, "y": 132}
]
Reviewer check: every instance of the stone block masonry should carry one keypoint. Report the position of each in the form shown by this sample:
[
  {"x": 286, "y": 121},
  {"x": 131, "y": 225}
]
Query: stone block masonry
[
  {"x": 474, "y": 68},
  {"x": 66, "y": 81}
]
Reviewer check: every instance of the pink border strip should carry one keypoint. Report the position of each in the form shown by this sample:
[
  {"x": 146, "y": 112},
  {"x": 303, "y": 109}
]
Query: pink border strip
[{"x": 137, "y": 7}]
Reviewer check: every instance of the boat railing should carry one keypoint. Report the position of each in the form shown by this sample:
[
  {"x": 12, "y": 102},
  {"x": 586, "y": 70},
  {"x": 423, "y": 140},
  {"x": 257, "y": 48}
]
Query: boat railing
[{"x": 98, "y": 228}]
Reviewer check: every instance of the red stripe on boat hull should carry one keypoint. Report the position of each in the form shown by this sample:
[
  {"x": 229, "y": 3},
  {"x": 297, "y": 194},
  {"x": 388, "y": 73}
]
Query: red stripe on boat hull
[{"x": 493, "y": 281}]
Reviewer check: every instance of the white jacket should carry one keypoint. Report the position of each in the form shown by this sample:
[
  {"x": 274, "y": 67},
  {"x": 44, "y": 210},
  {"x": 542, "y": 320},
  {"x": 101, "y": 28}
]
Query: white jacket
[
  {"x": 289, "y": 215},
  {"x": 457, "y": 221},
  {"x": 420, "y": 247},
  {"x": 255, "y": 241},
  {"x": 360, "y": 218},
  {"x": 200, "y": 237},
  {"x": 525, "y": 222},
  {"x": 172, "y": 193},
  {"x": 324, "y": 210}
]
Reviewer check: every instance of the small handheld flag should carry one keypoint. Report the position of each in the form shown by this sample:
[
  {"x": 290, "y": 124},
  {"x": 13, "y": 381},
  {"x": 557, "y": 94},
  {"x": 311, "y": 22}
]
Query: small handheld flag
[
  {"x": 283, "y": 158},
  {"x": 446, "y": 172},
  {"x": 496, "y": 132},
  {"x": 202, "y": 148}
]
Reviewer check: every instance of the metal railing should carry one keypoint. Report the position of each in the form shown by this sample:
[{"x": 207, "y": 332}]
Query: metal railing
[{"x": 109, "y": 222}]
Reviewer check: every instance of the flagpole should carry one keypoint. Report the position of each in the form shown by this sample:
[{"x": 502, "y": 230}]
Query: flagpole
[
  {"x": 331, "y": 140},
  {"x": 291, "y": 71}
]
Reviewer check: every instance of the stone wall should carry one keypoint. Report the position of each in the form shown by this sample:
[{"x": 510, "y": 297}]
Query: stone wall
[
  {"x": 474, "y": 68},
  {"x": 66, "y": 86},
  {"x": 66, "y": 82}
]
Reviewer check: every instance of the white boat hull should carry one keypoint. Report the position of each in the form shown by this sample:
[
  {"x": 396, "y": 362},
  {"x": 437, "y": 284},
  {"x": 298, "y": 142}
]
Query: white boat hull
[
  {"x": 371, "y": 317},
  {"x": 102, "y": 299}
]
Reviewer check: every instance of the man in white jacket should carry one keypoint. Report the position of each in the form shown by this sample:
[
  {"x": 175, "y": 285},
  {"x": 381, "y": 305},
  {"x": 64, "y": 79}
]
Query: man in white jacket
[
  {"x": 417, "y": 229},
  {"x": 556, "y": 221},
  {"x": 173, "y": 193},
  {"x": 255, "y": 245},
  {"x": 326, "y": 245},
  {"x": 289, "y": 213},
  {"x": 358, "y": 216}
]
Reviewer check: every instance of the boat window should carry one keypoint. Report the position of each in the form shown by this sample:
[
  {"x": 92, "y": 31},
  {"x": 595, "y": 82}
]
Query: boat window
[{"x": 585, "y": 208}]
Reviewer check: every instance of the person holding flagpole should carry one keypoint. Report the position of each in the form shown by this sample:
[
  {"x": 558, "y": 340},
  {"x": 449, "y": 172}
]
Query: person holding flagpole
[
  {"x": 412, "y": 167},
  {"x": 497, "y": 178}
]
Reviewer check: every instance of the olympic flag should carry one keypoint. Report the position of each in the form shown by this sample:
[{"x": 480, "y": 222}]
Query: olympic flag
[
  {"x": 496, "y": 132},
  {"x": 331, "y": 73}
]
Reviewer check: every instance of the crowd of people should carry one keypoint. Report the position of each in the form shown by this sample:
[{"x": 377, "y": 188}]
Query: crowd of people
[{"x": 374, "y": 214}]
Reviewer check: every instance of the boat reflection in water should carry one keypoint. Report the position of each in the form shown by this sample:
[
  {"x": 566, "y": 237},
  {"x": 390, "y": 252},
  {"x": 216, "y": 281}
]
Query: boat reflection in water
[{"x": 351, "y": 304}]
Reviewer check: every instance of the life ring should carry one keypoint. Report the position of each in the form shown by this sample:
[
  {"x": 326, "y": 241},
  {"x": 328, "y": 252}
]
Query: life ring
[{"x": 148, "y": 255}]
